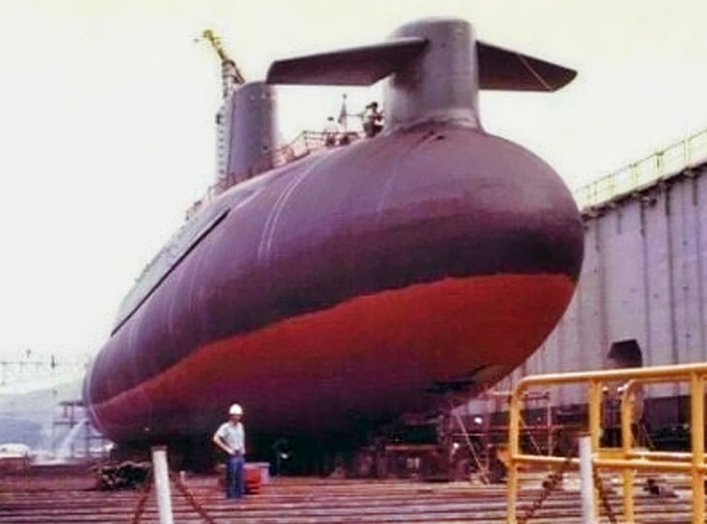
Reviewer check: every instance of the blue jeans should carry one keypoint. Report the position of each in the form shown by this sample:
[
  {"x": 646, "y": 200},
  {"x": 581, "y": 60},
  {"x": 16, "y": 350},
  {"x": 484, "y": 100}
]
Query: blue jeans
[{"x": 235, "y": 483}]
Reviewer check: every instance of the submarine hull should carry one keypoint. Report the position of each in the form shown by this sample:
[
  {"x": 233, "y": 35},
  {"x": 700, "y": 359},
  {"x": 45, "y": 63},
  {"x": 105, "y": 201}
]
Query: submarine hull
[{"x": 344, "y": 289}]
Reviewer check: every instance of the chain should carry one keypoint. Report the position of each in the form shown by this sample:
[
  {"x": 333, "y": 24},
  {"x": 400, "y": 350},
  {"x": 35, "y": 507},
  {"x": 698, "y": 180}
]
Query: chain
[
  {"x": 549, "y": 485},
  {"x": 191, "y": 499},
  {"x": 603, "y": 496},
  {"x": 145, "y": 492},
  {"x": 147, "y": 488}
]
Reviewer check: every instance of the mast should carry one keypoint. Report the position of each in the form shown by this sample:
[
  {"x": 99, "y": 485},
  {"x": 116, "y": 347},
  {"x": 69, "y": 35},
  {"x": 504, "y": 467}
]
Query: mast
[
  {"x": 245, "y": 123},
  {"x": 231, "y": 79},
  {"x": 231, "y": 76}
]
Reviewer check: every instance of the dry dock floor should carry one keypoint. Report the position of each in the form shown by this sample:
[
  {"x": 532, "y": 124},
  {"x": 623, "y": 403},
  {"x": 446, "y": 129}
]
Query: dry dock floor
[{"x": 69, "y": 498}]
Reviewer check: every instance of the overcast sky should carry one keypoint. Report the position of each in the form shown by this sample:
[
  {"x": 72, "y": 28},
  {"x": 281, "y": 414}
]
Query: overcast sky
[{"x": 106, "y": 119}]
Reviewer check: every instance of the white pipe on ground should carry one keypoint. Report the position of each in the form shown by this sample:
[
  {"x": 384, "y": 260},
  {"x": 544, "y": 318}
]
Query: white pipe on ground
[
  {"x": 586, "y": 479},
  {"x": 161, "y": 475}
]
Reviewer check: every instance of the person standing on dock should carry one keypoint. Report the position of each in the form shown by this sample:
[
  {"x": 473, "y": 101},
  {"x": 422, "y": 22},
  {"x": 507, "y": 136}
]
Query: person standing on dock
[{"x": 230, "y": 437}]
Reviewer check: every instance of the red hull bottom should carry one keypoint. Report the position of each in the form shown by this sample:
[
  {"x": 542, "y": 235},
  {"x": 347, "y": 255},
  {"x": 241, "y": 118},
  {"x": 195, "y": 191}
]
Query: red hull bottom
[{"x": 362, "y": 361}]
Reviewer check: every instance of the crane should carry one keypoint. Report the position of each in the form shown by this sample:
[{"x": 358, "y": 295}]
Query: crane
[{"x": 230, "y": 74}]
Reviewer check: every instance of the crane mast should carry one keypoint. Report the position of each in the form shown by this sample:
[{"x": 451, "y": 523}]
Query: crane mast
[
  {"x": 231, "y": 76},
  {"x": 245, "y": 122}
]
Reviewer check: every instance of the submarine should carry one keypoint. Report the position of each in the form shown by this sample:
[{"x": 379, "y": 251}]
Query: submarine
[{"x": 341, "y": 290}]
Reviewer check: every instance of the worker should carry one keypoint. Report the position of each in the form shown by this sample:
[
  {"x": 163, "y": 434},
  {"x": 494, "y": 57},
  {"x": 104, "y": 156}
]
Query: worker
[
  {"x": 372, "y": 120},
  {"x": 331, "y": 131},
  {"x": 230, "y": 437}
]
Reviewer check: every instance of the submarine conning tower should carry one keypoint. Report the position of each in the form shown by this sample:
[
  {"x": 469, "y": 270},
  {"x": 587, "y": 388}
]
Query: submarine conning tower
[
  {"x": 435, "y": 68},
  {"x": 442, "y": 83}
]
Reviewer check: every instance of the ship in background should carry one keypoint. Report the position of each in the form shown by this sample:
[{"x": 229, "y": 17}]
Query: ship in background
[{"x": 335, "y": 292}]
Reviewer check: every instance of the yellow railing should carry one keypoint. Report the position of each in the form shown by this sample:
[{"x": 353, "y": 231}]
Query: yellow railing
[
  {"x": 627, "y": 459},
  {"x": 682, "y": 155}
]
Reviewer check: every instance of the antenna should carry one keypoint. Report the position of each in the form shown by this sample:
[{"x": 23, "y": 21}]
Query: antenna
[{"x": 230, "y": 74}]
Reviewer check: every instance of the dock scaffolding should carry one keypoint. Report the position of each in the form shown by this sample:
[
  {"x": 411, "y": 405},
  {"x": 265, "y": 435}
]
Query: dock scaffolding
[{"x": 481, "y": 430}]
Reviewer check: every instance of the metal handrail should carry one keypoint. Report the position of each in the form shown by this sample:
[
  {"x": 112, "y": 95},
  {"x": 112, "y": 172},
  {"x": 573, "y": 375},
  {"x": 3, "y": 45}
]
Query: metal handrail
[
  {"x": 643, "y": 173},
  {"x": 629, "y": 458},
  {"x": 302, "y": 145}
]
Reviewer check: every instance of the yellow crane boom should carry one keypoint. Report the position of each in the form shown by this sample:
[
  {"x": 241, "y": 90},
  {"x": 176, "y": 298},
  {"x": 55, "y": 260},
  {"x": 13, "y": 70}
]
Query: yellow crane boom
[{"x": 231, "y": 75}]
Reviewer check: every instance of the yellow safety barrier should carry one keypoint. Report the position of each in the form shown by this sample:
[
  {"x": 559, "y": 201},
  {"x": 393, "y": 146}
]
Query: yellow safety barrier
[{"x": 627, "y": 458}]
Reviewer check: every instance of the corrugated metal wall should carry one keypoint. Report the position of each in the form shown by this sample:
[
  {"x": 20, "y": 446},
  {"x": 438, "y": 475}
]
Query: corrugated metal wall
[{"x": 643, "y": 277}]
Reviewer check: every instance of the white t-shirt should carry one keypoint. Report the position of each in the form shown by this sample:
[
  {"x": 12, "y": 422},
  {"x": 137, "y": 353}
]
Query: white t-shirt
[
  {"x": 330, "y": 128},
  {"x": 233, "y": 435}
]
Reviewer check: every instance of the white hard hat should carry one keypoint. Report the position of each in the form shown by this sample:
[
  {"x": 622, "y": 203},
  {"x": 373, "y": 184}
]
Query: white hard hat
[{"x": 235, "y": 409}]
